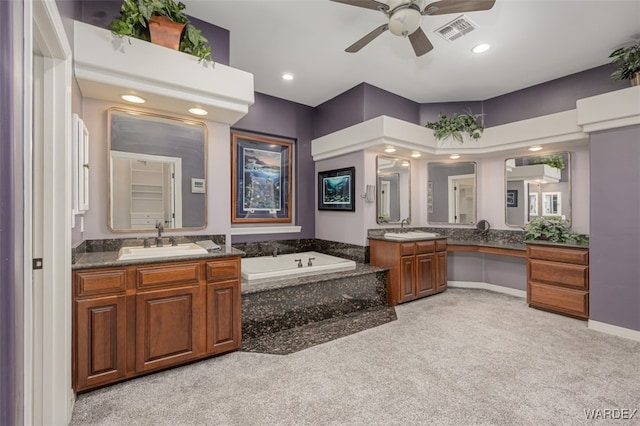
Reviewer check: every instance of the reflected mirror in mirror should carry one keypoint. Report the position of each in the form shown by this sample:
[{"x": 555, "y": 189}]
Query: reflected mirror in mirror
[
  {"x": 451, "y": 194},
  {"x": 157, "y": 172},
  {"x": 393, "y": 190},
  {"x": 537, "y": 185}
]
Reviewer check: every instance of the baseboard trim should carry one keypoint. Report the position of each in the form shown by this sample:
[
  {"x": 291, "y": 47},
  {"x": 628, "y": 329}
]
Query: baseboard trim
[
  {"x": 487, "y": 286},
  {"x": 615, "y": 330}
]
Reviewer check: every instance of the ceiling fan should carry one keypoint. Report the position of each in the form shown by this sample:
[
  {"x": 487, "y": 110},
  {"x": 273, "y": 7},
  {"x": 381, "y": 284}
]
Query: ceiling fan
[{"x": 404, "y": 18}]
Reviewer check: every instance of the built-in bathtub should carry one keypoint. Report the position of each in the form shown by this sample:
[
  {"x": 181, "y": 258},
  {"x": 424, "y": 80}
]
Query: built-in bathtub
[{"x": 286, "y": 265}]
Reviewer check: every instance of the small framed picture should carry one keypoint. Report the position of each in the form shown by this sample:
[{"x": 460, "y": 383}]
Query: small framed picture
[
  {"x": 512, "y": 198},
  {"x": 336, "y": 189}
]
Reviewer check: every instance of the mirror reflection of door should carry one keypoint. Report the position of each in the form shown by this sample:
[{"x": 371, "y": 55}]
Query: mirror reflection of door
[
  {"x": 461, "y": 198},
  {"x": 393, "y": 188},
  {"x": 146, "y": 191},
  {"x": 390, "y": 197}
]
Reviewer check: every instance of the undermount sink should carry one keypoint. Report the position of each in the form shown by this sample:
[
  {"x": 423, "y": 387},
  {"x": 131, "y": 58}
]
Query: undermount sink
[
  {"x": 411, "y": 235},
  {"x": 129, "y": 253}
]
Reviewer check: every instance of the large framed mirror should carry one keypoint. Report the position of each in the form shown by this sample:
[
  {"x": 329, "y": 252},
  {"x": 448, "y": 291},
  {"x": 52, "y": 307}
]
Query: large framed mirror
[
  {"x": 451, "y": 193},
  {"x": 157, "y": 172},
  {"x": 537, "y": 185},
  {"x": 393, "y": 189}
]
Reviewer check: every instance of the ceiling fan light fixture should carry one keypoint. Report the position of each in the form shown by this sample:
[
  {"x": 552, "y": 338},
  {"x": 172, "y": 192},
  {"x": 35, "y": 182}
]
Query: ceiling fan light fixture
[{"x": 404, "y": 21}]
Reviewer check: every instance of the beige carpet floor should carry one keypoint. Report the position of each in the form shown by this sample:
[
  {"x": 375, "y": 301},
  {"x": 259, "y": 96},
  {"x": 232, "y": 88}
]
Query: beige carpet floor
[{"x": 464, "y": 357}]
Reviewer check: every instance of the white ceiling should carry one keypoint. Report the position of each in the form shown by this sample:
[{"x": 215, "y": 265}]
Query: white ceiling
[{"x": 532, "y": 41}]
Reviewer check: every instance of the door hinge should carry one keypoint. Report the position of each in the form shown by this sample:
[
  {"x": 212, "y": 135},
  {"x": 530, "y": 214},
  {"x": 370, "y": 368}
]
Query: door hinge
[{"x": 37, "y": 263}]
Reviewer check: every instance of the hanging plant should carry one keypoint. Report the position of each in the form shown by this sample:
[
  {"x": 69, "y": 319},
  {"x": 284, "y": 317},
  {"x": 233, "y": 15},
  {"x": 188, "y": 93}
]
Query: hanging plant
[
  {"x": 134, "y": 22},
  {"x": 457, "y": 125}
]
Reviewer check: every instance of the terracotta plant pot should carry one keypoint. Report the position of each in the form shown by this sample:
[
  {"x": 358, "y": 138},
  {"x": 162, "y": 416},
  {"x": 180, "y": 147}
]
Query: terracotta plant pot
[{"x": 165, "y": 32}]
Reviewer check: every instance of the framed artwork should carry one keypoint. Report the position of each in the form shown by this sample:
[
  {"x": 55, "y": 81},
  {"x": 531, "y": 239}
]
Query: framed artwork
[
  {"x": 512, "y": 198},
  {"x": 260, "y": 179},
  {"x": 336, "y": 189}
]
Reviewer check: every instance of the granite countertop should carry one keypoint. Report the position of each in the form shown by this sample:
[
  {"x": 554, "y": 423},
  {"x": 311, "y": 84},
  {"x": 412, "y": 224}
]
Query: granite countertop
[
  {"x": 494, "y": 244},
  {"x": 107, "y": 259}
]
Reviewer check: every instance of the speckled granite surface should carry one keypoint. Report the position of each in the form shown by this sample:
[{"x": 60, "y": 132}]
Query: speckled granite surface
[
  {"x": 303, "y": 337},
  {"x": 353, "y": 252},
  {"x": 284, "y": 305}
]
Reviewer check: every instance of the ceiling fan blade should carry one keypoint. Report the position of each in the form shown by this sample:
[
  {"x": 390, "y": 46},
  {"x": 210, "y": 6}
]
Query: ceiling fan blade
[
  {"x": 457, "y": 6},
  {"x": 367, "y": 4},
  {"x": 420, "y": 42},
  {"x": 367, "y": 39}
]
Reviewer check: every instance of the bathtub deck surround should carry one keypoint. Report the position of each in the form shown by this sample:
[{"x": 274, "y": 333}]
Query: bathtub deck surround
[
  {"x": 294, "y": 264},
  {"x": 290, "y": 314}
]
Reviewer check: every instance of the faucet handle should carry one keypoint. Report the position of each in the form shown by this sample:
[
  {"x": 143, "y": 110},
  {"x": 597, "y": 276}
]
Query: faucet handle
[
  {"x": 173, "y": 241},
  {"x": 146, "y": 243},
  {"x": 299, "y": 262},
  {"x": 309, "y": 263}
]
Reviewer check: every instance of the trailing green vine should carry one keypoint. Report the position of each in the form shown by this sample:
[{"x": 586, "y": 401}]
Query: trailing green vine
[{"x": 455, "y": 126}]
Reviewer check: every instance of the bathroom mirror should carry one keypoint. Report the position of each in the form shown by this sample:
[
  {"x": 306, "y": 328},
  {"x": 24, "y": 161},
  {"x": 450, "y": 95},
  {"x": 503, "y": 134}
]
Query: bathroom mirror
[
  {"x": 157, "y": 172},
  {"x": 393, "y": 189},
  {"x": 537, "y": 185},
  {"x": 451, "y": 196}
]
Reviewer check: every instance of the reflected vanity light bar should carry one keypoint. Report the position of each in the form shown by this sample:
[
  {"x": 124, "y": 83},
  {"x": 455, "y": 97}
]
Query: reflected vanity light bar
[
  {"x": 198, "y": 111},
  {"x": 133, "y": 99}
]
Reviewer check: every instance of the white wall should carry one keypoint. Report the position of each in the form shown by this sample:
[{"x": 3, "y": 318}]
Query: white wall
[{"x": 94, "y": 114}]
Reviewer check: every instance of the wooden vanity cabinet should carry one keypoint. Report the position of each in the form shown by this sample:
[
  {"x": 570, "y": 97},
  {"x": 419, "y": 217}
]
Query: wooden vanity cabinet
[
  {"x": 136, "y": 319},
  {"x": 416, "y": 268},
  {"x": 558, "y": 279}
]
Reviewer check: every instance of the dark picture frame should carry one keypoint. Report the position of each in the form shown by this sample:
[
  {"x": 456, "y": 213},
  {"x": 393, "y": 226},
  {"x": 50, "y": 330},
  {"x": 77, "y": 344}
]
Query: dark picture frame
[
  {"x": 260, "y": 179},
  {"x": 512, "y": 198},
  {"x": 336, "y": 189}
]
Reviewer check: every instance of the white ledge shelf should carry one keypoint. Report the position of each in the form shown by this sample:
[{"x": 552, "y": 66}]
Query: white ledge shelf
[
  {"x": 559, "y": 128},
  {"x": 107, "y": 66},
  {"x": 610, "y": 110}
]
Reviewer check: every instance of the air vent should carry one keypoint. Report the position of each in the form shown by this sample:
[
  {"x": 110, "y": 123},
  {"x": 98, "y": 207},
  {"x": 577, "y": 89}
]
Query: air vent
[{"x": 456, "y": 28}]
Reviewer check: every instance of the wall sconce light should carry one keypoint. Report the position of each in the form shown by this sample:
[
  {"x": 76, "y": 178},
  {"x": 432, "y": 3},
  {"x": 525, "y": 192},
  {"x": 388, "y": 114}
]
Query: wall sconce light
[{"x": 369, "y": 193}]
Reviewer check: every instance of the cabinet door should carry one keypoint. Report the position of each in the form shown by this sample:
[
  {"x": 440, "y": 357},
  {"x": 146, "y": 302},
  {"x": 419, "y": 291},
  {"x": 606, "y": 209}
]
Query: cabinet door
[
  {"x": 99, "y": 341},
  {"x": 224, "y": 327},
  {"x": 441, "y": 271},
  {"x": 168, "y": 327},
  {"x": 407, "y": 268},
  {"x": 425, "y": 275}
]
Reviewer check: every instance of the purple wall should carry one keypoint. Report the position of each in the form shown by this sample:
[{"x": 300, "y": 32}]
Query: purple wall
[
  {"x": 7, "y": 221},
  {"x": 550, "y": 97},
  {"x": 343, "y": 111},
  {"x": 429, "y": 112},
  {"x": 101, "y": 12},
  {"x": 379, "y": 102},
  {"x": 277, "y": 117},
  {"x": 614, "y": 248}
]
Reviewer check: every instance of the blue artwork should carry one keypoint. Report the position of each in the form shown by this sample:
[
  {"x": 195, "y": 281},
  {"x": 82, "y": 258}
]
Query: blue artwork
[
  {"x": 337, "y": 190},
  {"x": 262, "y": 180}
]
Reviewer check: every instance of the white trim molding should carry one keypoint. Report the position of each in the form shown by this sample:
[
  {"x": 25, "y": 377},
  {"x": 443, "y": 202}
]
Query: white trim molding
[
  {"x": 610, "y": 110},
  {"x": 252, "y": 230},
  {"x": 615, "y": 330},
  {"x": 487, "y": 286}
]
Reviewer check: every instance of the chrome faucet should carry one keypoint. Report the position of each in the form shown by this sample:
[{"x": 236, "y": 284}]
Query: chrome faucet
[
  {"x": 309, "y": 263},
  {"x": 160, "y": 229},
  {"x": 299, "y": 262},
  {"x": 402, "y": 222}
]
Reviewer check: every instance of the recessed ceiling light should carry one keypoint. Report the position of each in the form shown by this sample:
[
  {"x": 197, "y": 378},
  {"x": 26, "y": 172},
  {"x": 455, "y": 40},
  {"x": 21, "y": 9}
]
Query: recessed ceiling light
[
  {"x": 480, "y": 48},
  {"x": 416, "y": 155},
  {"x": 405, "y": 164},
  {"x": 198, "y": 111},
  {"x": 454, "y": 156},
  {"x": 133, "y": 99},
  {"x": 287, "y": 76},
  {"x": 535, "y": 148},
  {"x": 389, "y": 149}
]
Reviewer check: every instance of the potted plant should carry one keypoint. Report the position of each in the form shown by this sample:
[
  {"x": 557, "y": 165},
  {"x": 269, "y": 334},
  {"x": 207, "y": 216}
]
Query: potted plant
[
  {"x": 553, "y": 229},
  {"x": 553, "y": 160},
  {"x": 628, "y": 61},
  {"x": 457, "y": 125},
  {"x": 138, "y": 18}
]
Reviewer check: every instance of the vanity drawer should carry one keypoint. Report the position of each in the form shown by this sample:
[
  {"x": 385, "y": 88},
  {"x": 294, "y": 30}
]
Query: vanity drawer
[
  {"x": 425, "y": 247},
  {"x": 565, "y": 300},
  {"x": 168, "y": 275},
  {"x": 222, "y": 270},
  {"x": 98, "y": 282},
  {"x": 441, "y": 245},
  {"x": 407, "y": 249},
  {"x": 559, "y": 254},
  {"x": 559, "y": 273}
]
